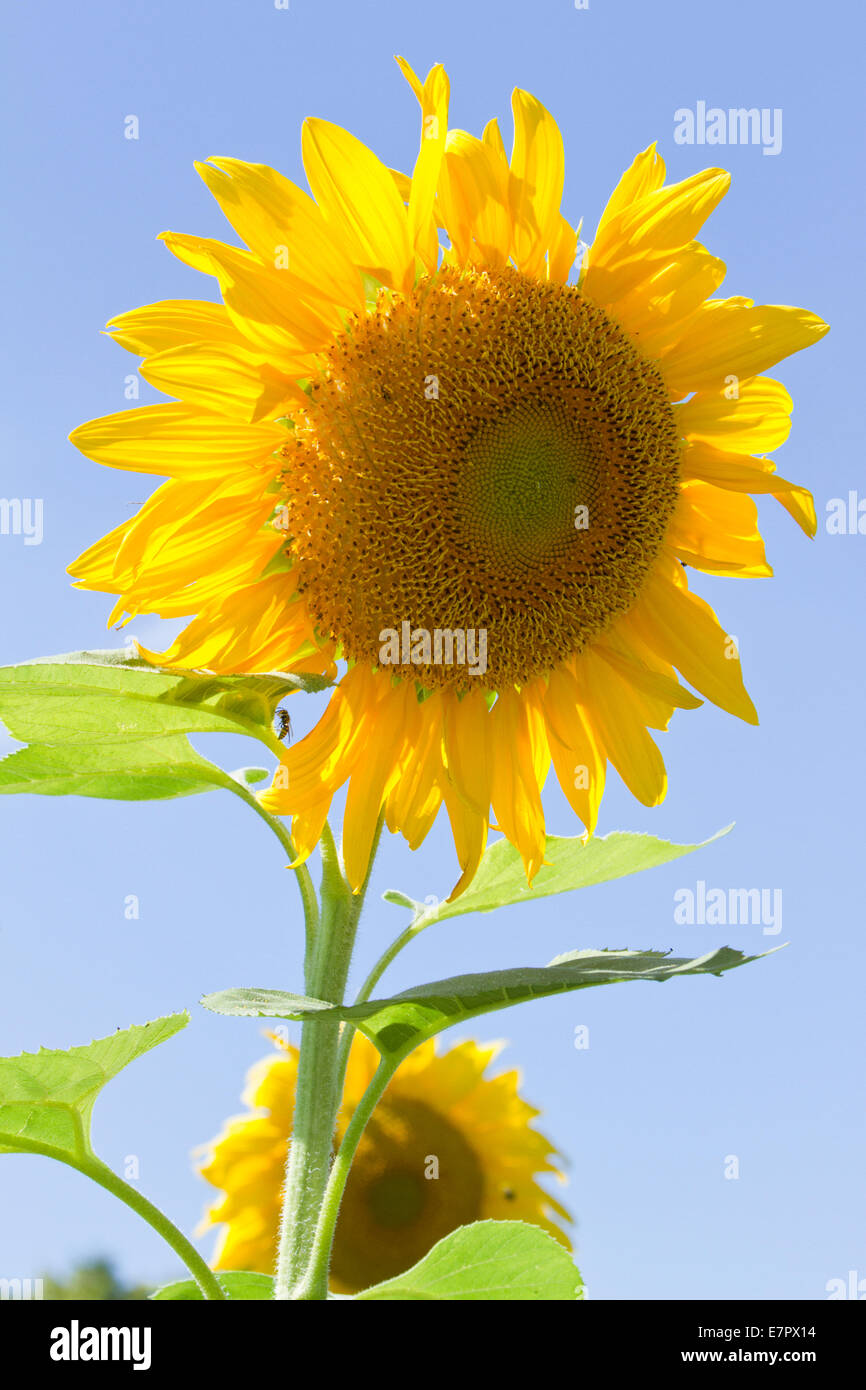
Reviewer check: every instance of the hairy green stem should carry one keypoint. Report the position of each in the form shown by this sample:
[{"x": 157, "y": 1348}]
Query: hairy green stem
[
  {"x": 317, "y": 1273},
  {"x": 364, "y": 993},
  {"x": 319, "y": 1084},
  {"x": 316, "y": 1102}
]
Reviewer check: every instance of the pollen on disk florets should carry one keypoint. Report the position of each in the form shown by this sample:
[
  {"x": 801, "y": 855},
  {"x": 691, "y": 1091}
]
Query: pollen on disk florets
[{"x": 488, "y": 453}]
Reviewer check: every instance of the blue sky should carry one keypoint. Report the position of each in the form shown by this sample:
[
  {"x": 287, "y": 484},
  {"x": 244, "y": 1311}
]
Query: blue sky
[{"x": 765, "y": 1064}]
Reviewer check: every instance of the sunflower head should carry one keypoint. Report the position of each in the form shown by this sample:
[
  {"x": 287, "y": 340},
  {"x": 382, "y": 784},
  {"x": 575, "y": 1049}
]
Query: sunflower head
[
  {"x": 526, "y": 495},
  {"x": 418, "y": 448},
  {"x": 447, "y": 1145}
]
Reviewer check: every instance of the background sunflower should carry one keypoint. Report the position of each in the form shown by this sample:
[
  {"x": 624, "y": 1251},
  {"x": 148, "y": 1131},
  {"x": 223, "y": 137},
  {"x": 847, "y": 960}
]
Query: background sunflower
[{"x": 447, "y": 1145}]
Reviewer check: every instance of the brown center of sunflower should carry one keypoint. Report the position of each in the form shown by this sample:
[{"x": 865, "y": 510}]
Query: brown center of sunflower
[
  {"x": 489, "y": 459},
  {"x": 414, "y": 1180}
]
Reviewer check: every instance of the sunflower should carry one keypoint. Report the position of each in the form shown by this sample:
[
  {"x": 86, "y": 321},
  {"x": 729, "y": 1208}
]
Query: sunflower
[
  {"x": 472, "y": 481},
  {"x": 446, "y": 1146}
]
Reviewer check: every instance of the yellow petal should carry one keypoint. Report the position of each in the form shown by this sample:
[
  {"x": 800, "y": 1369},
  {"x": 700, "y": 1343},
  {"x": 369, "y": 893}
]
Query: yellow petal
[
  {"x": 469, "y": 752},
  {"x": 733, "y": 338},
  {"x": 537, "y": 175},
  {"x": 172, "y": 593},
  {"x": 359, "y": 201},
  {"x": 562, "y": 252},
  {"x": 756, "y": 420},
  {"x": 717, "y": 532},
  {"x": 578, "y": 758},
  {"x": 620, "y": 730},
  {"x": 279, "y": 221},
  {"x": 492, "y": 136},
  {"x": 321, "y": 761},
  {"x": 396, "y": 724},
  {"x": 660, "y": 220},
  {"x": 176, "y": 440},
  {"x": 263, "y": 302},
  {"x": 473, "y": 199},
  {"x": 516, "y": 794},
  {"x": 185, "y": 529},
  {"x": 644, "y": 175},
  {"x": 741, "y": 473},
  {"x": 433, "y": 98},
  {"x": 171, "y": 323},
  {"x": 258, "y": 628},
  {"x": 656, "y": 312},
  {"x": 685, "y": 631},
  {"x": 414, "y": 802},
  {"x": 653, "y": 682},
  {"x": 469, "y": 830},
  {"x": 234, "y": 381}
]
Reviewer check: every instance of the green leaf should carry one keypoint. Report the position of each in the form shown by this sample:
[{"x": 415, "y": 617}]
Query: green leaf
[
  {"x": 398, "y": 1024},
  {"x": 142, "y": 770},
  {"x": 571, "y": 862},
  {"x": 488, "y": 1261},
  {"x": 107, "y": 724},
  {"x": 239, "y": 1284},
  {"x": 114, "y": 697},
  {"x": 46, "y": 1097}
]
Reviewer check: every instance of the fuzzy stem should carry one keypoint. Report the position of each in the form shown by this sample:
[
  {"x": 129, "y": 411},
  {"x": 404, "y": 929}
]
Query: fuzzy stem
[
  {"x": 319, "y": 1084},
  {"x": 317, "y": 1274}
]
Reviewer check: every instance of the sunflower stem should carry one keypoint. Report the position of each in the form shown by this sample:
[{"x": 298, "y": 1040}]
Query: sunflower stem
[
  {"x": 93, "y": 1167},
  {"x": 316, "y": 1283},
  {"x": 365, "y": 992},
  {"x": 319, "y": 1082}
]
